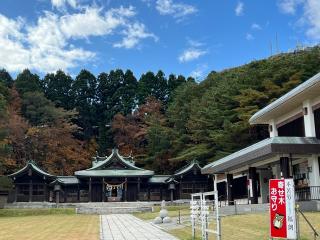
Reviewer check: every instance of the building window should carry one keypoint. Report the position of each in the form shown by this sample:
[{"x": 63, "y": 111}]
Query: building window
[{"x": 294, "y": 128}]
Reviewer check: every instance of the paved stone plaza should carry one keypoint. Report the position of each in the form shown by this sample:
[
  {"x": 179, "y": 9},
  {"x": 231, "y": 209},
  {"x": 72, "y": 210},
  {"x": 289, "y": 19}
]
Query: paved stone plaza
[{"x": 128, "y": 227}]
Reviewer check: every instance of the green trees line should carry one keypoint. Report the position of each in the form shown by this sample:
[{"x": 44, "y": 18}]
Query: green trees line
[{"x": 163, "y": 121}]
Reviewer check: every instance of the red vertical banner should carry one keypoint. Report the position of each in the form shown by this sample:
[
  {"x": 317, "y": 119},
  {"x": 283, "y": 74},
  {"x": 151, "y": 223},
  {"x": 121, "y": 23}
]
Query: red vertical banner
[{"x": 278, "y": 214}]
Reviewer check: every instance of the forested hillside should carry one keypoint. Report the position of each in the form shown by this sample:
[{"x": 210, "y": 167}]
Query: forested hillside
[{"x": 61, "y": 122}]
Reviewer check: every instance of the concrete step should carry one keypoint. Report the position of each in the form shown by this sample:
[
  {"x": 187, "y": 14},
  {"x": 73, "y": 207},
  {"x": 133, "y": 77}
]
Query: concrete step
[{"x": 112, "y": 210}]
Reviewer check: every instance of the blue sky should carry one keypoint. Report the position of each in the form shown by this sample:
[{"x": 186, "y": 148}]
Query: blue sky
[{"x": 177, "y": 36}]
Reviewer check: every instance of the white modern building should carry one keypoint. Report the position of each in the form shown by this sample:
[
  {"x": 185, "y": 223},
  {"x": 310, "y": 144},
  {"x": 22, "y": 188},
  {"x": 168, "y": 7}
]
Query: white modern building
[{"x": 292, "y": 151}]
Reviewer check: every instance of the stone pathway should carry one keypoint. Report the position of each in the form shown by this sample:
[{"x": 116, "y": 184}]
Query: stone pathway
[{"x": 128, "y": 227}]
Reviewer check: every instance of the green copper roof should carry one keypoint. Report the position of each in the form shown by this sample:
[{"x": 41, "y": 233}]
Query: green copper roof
[
  {"x": 159, "y": 178},
  {"x": 193, "y": 164},
  {"x": 31, "y": 164},
  {"x": 114, "y": 173},
  {"x": 65, "y": 180},
  {"x": 115, "y": 156},
  {"x": 103, "y": 169}
]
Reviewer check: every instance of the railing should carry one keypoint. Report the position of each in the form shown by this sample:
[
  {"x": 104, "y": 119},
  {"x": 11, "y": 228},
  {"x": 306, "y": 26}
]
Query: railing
[
  {"x": 315, "y": 233},
  {"x": 308, "y": 193}
]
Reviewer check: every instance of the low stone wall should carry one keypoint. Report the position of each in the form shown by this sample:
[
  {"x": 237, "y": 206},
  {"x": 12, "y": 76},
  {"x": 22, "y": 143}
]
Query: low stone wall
[
  {"x": 112, "y": 210},
  {"x": 306, "y": 206},
  {"x": 309, "y": 206}
]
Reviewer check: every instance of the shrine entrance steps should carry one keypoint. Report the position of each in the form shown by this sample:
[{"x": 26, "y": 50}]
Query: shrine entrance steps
[{"x": 113, "y": 207}]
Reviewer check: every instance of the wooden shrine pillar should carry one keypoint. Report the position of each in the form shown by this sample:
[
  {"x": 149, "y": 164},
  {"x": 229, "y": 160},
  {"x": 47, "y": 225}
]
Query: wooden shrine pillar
[
  {"x": 45, "y": 192},
  {"x": 103, "y": 191},
  {"x": 230, "y": 189},
  {"x": 78, "y": 193},
  {"x": 57, "y": 197},
  {"x": 253, "y": 176},
  {"x": 16, "y": 190},
  {"x": 90, "y": 189},
  {"x": 64, "y": 194},
  {"x": 30, "y": 190},
  {"x": 149, "y": 192},
  {"x": 161, "y": 193},
  {"x": 126, "y": 189},
  {"x": 138, "y": 189}
]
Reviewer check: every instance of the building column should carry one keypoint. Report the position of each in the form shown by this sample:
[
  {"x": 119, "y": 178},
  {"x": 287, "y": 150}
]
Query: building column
[
  {"x": 148, "y": 192},
  {"x": 78, "y": 193},
  {"x": 16, "y": 190},
  {"x": 45, "y": 192},
  {"x": 90, "y": 183},
  {"x": 253, "y": 185},
  {"x": 314, "y": 175},
  {"x": 103, "y": 199},
  {"x": 308, "y": 117},
  {"x": 138, "y": 189},
  {"x": 273, "y": 131},
  {"x": 65, "y": 194},
  {"x": 285, "y": 167},
  {"x": 30, "y": 190},
  {"x": 265, "y": 176},
  {"x": 126, "y": 189},
  {"x": 229, "y": 189},
  {"x": 57, "y": 197},
  {"x": 193, "y": 188}
]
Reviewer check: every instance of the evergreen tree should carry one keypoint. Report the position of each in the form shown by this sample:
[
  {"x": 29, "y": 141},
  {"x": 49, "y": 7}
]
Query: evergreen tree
[
  {"x": 85, "y": 97},
  {"x": 28, "y": 82},
  {"x": 5, "y": 78},
  {"x": 152, "y": 85},
  {"x": 57, "y": 88}
]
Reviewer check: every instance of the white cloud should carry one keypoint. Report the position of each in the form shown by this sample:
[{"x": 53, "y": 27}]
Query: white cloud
[
  {"x": 310, "y": 18},
  {"x": 61, "y": 4},
  {"x": 191, "y": 54},
  {"x": 93, "y": 23},
  {"x": 312, "y": 15},
  {"x": 249, "y": 37},
  {"x": 199, "y": 72},
  {"x": 47, "y": 45},
  {"x": 194, "y": 43},
  {"x": 289, "y": 6},
  {"x": 133, "y": 34},
  {"x": 177, "y": 10},
  {"x": 256, "y": 26},
  {"x": 239, "y": 10}
]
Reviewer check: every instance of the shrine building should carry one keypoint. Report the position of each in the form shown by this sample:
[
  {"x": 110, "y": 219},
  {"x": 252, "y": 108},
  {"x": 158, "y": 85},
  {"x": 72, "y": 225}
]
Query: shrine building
[{"x": 113, "y": 178}]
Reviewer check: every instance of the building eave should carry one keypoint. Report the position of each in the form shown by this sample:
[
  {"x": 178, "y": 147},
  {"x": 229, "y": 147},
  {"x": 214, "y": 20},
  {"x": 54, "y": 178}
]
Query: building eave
[{"x": 262, "y": 150}]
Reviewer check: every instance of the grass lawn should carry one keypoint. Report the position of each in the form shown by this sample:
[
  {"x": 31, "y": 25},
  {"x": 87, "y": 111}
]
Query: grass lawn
[
  {"x": 250, "y": 227},
  {"x": 49, "y": 224}
]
